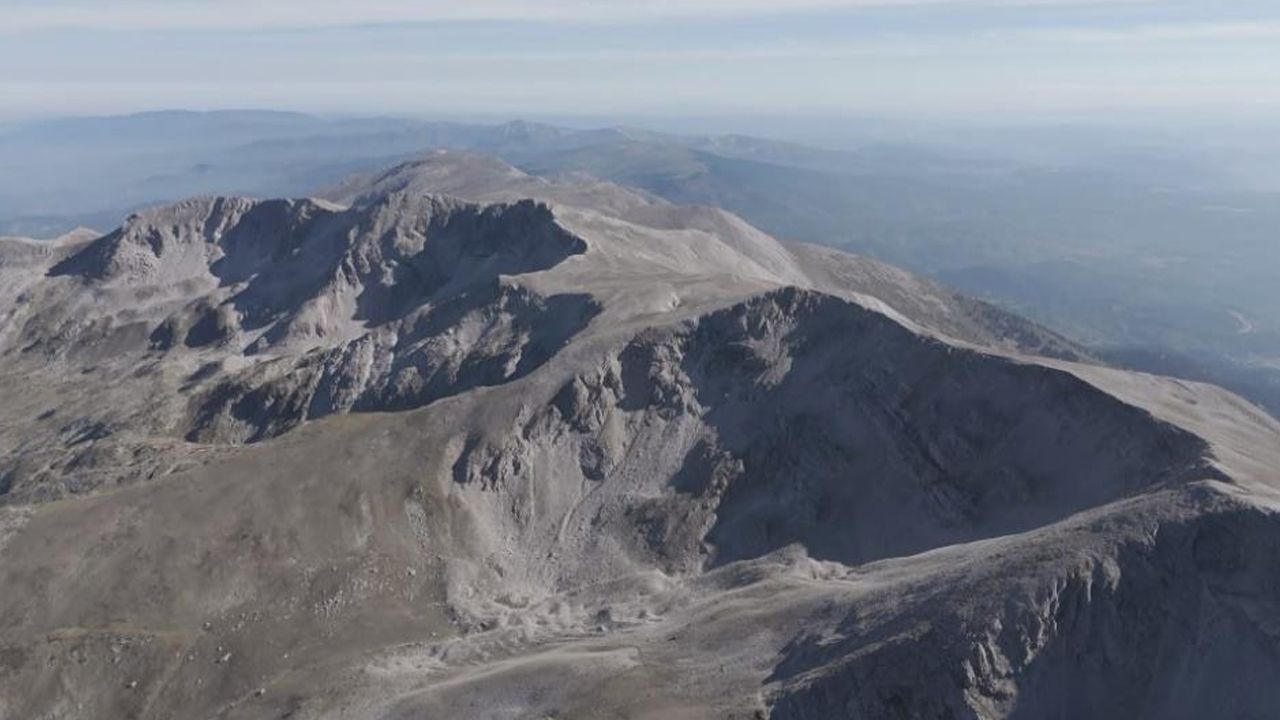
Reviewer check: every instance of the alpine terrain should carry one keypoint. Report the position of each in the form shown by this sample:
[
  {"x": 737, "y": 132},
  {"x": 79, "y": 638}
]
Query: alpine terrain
[{"x": 457, "y": 441}]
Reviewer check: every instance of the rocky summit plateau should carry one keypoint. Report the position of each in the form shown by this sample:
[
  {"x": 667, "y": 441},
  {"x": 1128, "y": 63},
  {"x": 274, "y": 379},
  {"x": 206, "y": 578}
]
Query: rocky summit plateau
[{"x": 457, "y": 441}]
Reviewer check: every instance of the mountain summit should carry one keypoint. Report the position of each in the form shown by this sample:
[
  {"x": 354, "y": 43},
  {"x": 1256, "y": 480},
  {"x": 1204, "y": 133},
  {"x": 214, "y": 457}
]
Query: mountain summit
[{"x": 460, "y": 441}]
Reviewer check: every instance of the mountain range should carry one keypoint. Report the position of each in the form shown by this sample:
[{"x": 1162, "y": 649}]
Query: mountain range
[
  {"x": 451, "y": 439},
  {"x": 1142, "y": 248}
]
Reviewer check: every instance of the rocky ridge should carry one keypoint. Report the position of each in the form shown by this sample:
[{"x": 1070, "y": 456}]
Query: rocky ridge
[{"x": 594, "y": 455}]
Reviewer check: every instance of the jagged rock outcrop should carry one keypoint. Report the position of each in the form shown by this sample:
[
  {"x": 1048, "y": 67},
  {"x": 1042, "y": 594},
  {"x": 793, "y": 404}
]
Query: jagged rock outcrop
[
  {"x": 239, "y": 319},
  {"x": 488, "y": 335},
  {"x": 797, "y": 418},
  {"x": 294, "y": 273}
]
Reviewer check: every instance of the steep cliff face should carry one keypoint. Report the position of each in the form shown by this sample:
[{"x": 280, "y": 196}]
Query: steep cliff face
[
  {"x": 487, "y": 335},
  {"x": 796, "y": 418},
  {"x": 415, "y": 457},
  {"x": 235, "y": 320},
  {"x": 285, "y": 274}
]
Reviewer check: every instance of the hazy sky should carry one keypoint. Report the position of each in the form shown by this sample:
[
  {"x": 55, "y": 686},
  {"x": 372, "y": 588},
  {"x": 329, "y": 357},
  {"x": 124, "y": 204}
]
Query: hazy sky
[{"x": 987, "y": 58}]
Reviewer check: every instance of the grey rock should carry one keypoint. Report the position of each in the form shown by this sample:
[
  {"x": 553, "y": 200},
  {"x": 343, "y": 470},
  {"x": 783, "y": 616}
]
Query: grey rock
[{"x": 643, "y": 460}]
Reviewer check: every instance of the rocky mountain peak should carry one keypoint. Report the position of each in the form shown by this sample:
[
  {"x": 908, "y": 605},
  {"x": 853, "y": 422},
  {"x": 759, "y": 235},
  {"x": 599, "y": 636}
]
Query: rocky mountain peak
[{"x": 559, "y": 449}]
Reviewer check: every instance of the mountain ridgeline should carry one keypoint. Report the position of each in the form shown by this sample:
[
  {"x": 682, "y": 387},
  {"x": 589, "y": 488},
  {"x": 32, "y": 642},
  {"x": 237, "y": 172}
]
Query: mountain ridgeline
[{"x": 461, "y": 441}]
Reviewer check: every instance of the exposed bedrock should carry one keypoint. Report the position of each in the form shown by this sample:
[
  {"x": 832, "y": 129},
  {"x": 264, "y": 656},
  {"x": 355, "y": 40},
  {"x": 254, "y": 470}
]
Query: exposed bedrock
[
  {"x": 1178, "y": 623},
  {"x": 797, "y": 418}
]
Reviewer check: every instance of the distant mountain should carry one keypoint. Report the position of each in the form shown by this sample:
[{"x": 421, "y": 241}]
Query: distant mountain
[
  {"x": 1114, "y": 264},
  {"x": 460, "y": 441}
]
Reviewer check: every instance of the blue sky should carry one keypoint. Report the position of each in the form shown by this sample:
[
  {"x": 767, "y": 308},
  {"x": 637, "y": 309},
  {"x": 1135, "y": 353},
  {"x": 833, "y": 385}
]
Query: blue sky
[{"x": 930, "y": 58}]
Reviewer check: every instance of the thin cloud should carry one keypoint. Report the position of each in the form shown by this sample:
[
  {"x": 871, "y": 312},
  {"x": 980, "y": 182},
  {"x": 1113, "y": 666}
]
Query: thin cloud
[
  {"x": 31, "y": 15},
  {"x": 1210, "y": 31}
]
